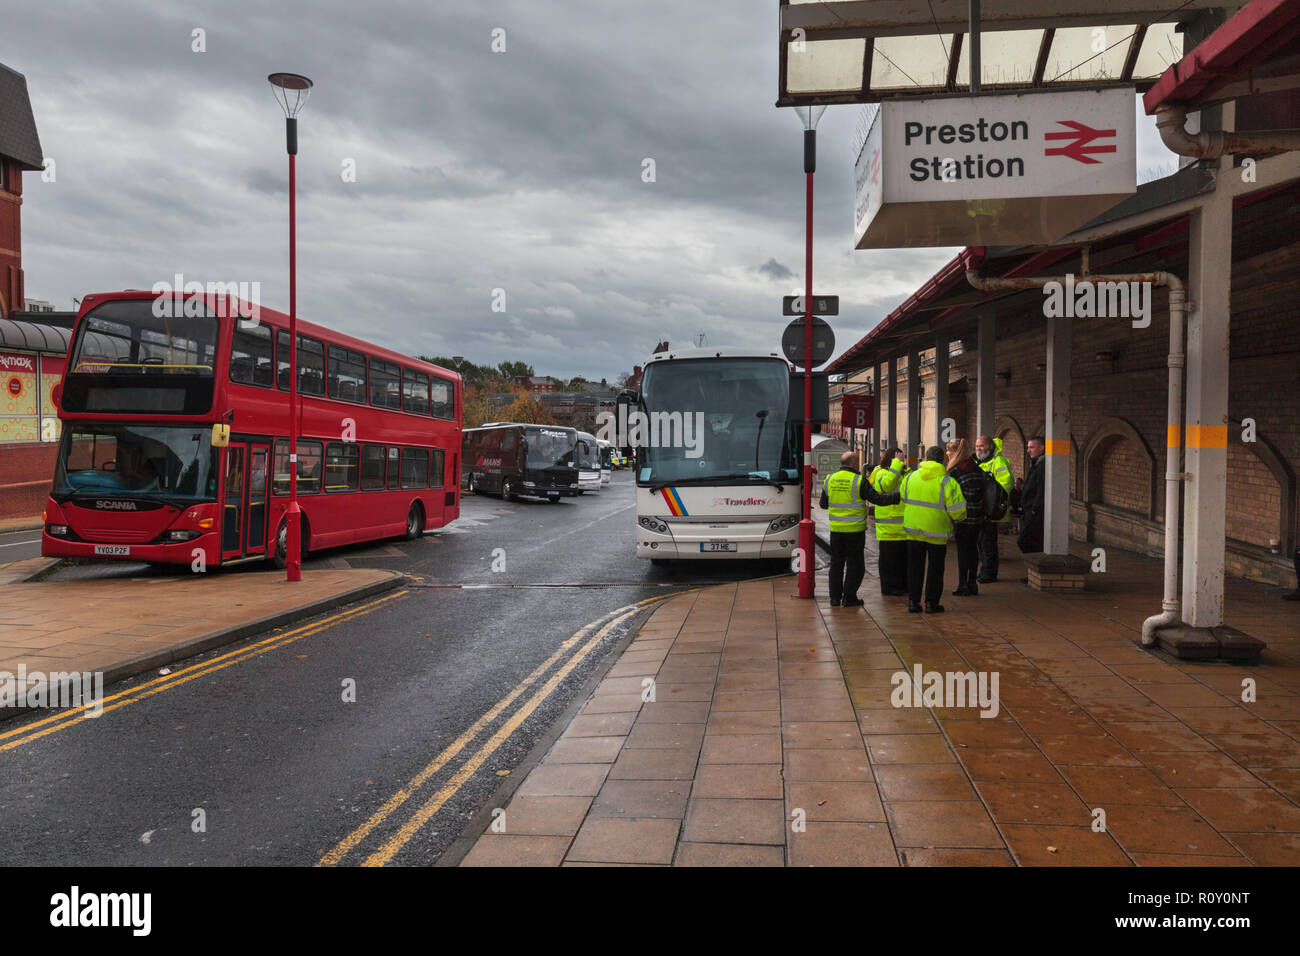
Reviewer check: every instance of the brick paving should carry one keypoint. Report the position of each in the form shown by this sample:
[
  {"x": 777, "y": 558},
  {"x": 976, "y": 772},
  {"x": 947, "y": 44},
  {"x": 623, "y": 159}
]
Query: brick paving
[
  {"x": 115, "y": 625},
  {"x": 772, "y": 739}
]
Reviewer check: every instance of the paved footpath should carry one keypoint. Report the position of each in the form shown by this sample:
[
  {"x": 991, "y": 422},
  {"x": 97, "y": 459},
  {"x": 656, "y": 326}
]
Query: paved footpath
[
  {"x": 123, "y": 626},
  {"x": 772, "y": 738}
]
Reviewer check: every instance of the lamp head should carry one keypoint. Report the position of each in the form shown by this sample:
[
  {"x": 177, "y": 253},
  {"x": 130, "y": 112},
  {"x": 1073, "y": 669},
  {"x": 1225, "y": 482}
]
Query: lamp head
[{"x": 291, "y": 91}]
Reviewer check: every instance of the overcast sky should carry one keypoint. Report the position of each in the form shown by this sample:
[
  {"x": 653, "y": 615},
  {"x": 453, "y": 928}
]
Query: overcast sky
[{"x": 475, "y": 170}]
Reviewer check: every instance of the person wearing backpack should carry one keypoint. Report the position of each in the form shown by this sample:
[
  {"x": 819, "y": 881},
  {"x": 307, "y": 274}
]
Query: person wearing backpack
[
  {"x": 989, "y": 457},
  {"x": 975, "y": 488}
]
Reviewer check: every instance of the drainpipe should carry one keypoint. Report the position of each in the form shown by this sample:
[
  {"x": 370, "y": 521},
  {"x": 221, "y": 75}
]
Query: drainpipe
[
  {"x": 1173, "y": 459},
  {"x": 1171, "y": 122}
]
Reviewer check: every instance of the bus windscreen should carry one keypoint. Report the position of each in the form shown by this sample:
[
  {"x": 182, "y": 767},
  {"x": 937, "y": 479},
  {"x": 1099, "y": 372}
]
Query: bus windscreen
[
  {"x": 721, "y": 421},
  {"x": 550, "y": 448},
  {"x": 168, "y": 462}
]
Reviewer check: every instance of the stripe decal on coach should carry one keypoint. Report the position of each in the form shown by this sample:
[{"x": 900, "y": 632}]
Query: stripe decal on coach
[{"x": 674, "y": 502}]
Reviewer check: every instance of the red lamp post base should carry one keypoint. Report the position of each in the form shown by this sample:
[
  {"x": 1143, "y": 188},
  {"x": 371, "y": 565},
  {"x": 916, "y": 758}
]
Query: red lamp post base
[
  {"x": 807, "y": 546},
  {"x": 293, "y": 542}
]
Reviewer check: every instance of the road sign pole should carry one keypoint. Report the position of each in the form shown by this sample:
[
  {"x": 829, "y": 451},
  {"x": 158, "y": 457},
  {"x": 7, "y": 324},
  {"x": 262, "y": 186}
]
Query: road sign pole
[{"x": 806, "y": 543}]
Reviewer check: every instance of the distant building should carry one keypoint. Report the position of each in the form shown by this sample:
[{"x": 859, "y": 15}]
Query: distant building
[
  {"x": 20, "y": 150},
  {"x": 32, "y": 347},
  {"x": 536, "y": 383}
]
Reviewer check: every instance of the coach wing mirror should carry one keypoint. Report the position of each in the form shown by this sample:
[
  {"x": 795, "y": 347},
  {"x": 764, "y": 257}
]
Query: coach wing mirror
[{"x": 220, "y": 435}]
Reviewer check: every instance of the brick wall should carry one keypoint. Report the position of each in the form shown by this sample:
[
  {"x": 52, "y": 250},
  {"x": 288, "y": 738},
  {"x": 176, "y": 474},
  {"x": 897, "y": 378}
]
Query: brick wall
[
  {"x": 26, "y": 471},
  {"x": 1132, "y": 386},
  {"x": 1125, "y": 478},
  {"x": 1254, "y": 499},
  {"x": 11, "y": 271}
]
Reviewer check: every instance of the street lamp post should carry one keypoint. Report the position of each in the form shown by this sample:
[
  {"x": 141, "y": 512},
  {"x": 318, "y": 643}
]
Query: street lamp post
[
  {"x": 291, "y": 91},
  {"x": 809, "y": 116}
]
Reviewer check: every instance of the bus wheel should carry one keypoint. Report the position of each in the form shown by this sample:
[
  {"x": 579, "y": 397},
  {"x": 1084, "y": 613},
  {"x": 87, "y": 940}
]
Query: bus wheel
[
  {"x": 414, "y": 522},
  {"x": 509, "y": 490},
  {"x": 280, "y": 558}
]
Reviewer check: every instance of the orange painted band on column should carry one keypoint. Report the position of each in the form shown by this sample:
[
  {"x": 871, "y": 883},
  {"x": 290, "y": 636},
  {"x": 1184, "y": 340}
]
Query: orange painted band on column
[
  {"x": 1207, "y": 436},
  {"x": 1057, "y": 446},
  {"x": 1175, "y": 438}
]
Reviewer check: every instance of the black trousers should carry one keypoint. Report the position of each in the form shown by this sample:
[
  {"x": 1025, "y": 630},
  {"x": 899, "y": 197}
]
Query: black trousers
[
  {"x": 892, "y": 565},
  {"x": 848, "y": 564},
  {"x": 967, "y": 555},
  {"x": 988, "y": 551},
  {"x": 919, "y": 555}
]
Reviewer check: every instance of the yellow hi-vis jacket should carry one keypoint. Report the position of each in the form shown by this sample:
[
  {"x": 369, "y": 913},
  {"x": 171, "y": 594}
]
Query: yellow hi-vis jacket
[
  {"x": 932, "y": 502},
  {"x": 846, "y": 509},
  {"x": 1000, "y": 469},
  {"x": 889, "y": 518}
]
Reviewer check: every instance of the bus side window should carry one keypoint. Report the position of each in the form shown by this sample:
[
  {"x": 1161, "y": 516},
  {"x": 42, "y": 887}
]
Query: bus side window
[
  {"x": 415, "y": 468},
  {"x": 394, "y": 472},
  {"x": 373, "y": 458},
  {"x": 436, "y": 468},
  {"x": 310, "y": 460}
]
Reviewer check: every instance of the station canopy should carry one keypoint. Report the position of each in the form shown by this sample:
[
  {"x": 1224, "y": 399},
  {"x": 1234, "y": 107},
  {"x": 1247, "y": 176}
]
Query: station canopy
[{"x": 864, "y": 51}]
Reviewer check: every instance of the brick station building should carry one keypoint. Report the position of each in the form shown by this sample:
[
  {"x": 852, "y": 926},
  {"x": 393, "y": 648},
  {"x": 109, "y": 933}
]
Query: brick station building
[
  {"x": 1228, "y": 224},
  {"x": 33, "y": 346}
]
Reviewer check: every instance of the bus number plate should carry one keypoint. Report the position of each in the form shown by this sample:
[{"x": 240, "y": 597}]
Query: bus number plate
[
  {"x": 113, "y": 550},
  {"x": 718, "y": 546}
]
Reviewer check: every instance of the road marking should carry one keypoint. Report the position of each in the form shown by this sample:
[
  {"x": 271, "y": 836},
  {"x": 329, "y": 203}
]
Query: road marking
[
  {"x": 453, "y": 749},
  {"x": 584, "y": 527},
  {"x": 17, "y": 544},
  {"x": 435, "y": 803},
  {"x": 48, "y": 725}
]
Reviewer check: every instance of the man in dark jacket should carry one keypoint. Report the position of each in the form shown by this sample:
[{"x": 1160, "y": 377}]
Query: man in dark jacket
[
  {"x": 973, "y": 480},
  {"x": 1032, "y": 498}
]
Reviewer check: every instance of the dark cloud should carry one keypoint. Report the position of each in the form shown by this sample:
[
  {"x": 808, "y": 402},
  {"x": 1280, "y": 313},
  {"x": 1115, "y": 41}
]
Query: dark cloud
[
  {"x": 475, "y": 170},
  {"x": 774, "y": 270}
]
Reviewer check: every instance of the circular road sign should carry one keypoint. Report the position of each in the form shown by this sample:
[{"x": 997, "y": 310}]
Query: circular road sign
[{"x": 792, "y": 343}]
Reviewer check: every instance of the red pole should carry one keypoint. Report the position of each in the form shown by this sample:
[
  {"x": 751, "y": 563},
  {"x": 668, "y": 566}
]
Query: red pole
[
  {"x": 806, "y": 540},
  {"x": 293, "y": 542}
]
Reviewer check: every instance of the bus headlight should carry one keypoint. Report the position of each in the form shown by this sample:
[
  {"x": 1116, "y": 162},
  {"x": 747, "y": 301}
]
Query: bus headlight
[
  {"x": 781, "y": 523},
  {"x": 652, "y": 524},
  {"x": 57, "y": 530},
  {"x": 180, "y": 535}
]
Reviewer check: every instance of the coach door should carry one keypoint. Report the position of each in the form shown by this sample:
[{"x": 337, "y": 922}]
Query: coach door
[{"x": 243, "y": 501}]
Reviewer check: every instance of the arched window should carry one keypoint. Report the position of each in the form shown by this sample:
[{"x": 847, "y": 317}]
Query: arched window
[{"x": 1118, "y": 469}]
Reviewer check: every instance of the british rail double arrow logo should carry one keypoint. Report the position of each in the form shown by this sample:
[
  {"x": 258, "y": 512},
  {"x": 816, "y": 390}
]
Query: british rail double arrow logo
[{"x": 1078, "y": 149}]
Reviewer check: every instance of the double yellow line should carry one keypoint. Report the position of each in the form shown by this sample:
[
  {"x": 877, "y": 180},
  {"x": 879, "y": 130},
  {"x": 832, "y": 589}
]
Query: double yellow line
[
  {"x": 425, "y": 812},
  {"x": 12, "y": 739}
]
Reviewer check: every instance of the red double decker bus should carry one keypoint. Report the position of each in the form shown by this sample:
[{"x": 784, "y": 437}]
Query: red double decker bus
[{"x": 175, "y": 412}]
